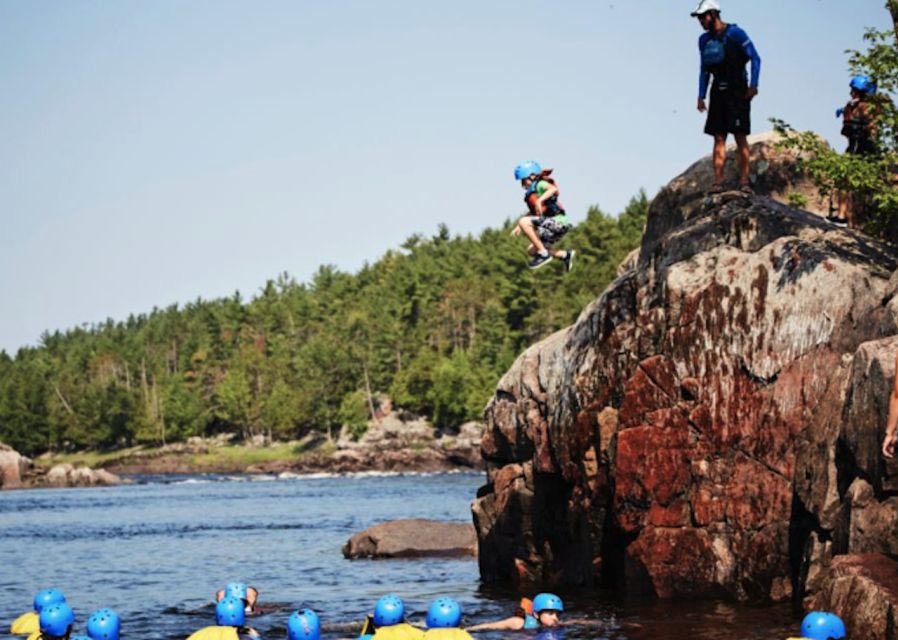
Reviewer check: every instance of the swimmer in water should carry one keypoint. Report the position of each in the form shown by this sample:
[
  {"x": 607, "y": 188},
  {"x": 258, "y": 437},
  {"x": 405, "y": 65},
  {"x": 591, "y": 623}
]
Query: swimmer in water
[
  {"x": 29, "y": 622},
  {"x": 545, "y": 611},
  {"x": 239, "y": 590}
]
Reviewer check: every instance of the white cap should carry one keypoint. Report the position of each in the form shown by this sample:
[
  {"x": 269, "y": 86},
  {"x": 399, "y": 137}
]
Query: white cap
[{"x": 704, "y": 6}]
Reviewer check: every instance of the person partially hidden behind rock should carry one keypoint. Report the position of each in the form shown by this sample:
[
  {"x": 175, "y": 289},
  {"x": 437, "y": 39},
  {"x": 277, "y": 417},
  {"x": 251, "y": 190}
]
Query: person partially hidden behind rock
[
  {"x": 891, "y": 437},
  {"x": 724, "y": 50},
  {"x": 859, "y": 118}
]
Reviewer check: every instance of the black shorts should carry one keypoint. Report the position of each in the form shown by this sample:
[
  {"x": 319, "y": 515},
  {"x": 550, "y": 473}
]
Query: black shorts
[
  {"x": 729, "y": 111},
  {"x": 549, "y": 229}
]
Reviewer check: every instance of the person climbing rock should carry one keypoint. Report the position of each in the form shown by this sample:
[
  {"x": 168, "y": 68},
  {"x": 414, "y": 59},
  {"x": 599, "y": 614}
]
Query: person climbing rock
[
  {"x": 891, "y": 437},
  {"x": 546, "y": 222},
  {"x": 724, "y": 50}
]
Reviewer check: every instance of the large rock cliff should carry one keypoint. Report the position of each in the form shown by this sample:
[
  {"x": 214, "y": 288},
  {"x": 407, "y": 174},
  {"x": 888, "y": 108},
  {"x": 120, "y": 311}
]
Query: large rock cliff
[{"x": 710, "y": 426}]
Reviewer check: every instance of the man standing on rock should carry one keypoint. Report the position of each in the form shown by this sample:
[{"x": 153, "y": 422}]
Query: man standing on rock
[
  {"x": 891, "y": 439},
  {"x": 724, "y": 50}
]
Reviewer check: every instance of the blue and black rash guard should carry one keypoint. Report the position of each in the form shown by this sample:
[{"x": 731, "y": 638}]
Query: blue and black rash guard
[{"x": 738, "y": 46}]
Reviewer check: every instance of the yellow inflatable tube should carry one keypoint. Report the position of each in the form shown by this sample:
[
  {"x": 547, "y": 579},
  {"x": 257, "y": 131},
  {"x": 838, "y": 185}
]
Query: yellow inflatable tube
[
  {"x": 214, "y": 633},
  {"x": 25, "y": 624},
  {"x": 447, "y": 634}
]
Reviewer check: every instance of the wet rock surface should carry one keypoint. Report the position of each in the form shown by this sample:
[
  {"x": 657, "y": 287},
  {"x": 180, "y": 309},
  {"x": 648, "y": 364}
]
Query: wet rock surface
[
  {"x": 710, "y": 426},
  {"x": 863, "y": 588},
  {"x": 411, "y": 538}
]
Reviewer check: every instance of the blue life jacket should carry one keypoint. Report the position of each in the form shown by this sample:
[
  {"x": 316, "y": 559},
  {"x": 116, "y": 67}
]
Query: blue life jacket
[
  {"x": 530, "y": 622},
  {"x": 715, "y": 52}
]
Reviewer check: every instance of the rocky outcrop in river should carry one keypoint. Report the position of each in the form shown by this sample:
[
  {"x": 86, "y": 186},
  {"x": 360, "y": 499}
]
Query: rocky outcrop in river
[
  {"x": 710, "y": 426},
  {"x": 412, "y": 538}
]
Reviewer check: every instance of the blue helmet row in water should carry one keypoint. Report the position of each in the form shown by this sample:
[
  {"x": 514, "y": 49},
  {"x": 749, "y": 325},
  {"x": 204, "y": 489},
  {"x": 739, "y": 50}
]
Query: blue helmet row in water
[
  {"x": 104, "y": 624},
  {"x": 230, "y": 612},
  {"x": 820, "y": 625},
  {"x": 444, "y": 613},
  {"x": 304, "y": 625}
]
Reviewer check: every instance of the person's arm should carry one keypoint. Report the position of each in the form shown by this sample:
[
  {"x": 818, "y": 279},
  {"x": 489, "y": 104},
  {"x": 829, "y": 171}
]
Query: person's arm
[
  {"x": 252, "y": 594},
  {"x": 704, "y": 76},
  {"x": 514, "y": 623},
  {"x": 891, "y": 438},
  {"x": 741, "y": 38},
  {"x": 548, "y": 193},
  {"x": 219, "y": 595}
]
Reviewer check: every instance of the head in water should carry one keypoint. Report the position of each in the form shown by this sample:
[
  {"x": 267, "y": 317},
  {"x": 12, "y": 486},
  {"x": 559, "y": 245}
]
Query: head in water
[
  {"x": 104, "y": 624},
  {"x": 547, "y": 608}
]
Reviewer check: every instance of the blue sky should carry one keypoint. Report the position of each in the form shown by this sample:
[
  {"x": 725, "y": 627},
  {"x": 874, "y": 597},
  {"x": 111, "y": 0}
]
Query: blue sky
[{"x": 156, "y": 152}]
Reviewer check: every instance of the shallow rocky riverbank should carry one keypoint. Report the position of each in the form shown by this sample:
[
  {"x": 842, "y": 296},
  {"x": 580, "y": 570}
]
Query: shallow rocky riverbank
[{"x": 395, "y": 443}]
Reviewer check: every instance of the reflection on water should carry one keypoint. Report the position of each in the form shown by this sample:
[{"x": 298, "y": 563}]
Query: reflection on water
[{"x": 157, "y": 551}]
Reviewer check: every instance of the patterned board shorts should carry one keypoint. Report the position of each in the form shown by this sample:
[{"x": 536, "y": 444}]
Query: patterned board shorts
[{"x": 549, "y": 229}]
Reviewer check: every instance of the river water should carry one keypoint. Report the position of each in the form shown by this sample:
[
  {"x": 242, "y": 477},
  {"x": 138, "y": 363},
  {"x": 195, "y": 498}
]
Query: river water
[{"x": 157, "y": 550}]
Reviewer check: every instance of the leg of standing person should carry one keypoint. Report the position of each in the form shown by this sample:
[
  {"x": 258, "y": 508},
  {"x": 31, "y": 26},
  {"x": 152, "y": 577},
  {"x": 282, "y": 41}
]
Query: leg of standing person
[
  {"x": 720, "y": 158},
  {"x": 742, "y": 153}
]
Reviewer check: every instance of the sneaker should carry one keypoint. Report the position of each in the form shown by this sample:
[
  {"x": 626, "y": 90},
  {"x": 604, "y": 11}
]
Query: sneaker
[
  {"x": 539, "y": 260},
  {"x": 837, "y": 221},
  {"x": 747, "y": 190},
  {"x": 569, "y": 260}
]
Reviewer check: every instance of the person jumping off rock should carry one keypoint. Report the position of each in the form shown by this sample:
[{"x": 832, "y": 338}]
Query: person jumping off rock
[
  {"x": 546, "y": 222},
  {"x": 724, "y": 50}
]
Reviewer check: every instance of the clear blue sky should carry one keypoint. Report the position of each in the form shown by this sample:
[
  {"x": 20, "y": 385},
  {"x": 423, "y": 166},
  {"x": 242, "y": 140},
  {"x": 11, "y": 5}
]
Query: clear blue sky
[{"x": 154, "y": 152}]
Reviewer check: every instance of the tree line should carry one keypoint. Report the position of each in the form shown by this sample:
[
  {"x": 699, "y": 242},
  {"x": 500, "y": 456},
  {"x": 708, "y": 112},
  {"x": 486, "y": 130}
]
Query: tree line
[{"x": 433, "y": 324}]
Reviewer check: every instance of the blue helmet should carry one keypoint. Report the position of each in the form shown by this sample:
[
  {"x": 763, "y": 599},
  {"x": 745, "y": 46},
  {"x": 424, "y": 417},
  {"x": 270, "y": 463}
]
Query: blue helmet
[
  {"x": 230, "y": 612},
  {"x": 526, "y": 169},
  {"x": 236, "y": 590},
  {"x": 388, "y": 611},
  {"x": 47, "y": 597},
  {"x": 836, "y": 626},
  {"x": 304, "y": 625},
  {"x": 444, "y": 613},
  {"x": 104, "y": 624},
  {"x": 816, "y": 626},
  {"x": 55, "y": 619},
  {"x": 547, "y": 602},
  {"x": 863, "y": 83}
]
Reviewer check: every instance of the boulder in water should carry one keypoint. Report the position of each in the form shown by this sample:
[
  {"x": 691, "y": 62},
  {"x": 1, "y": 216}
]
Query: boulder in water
[{"x": 412, "y": 538}]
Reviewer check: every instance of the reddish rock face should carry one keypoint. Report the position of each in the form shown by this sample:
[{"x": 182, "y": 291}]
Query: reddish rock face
[{"x": 695, "y": 433}]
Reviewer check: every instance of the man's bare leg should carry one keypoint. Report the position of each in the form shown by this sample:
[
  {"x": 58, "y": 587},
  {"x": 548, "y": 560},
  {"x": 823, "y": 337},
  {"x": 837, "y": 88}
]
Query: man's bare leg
[
  {"x": 720, "y": 157},
  {"x": 743, "y": 156}
]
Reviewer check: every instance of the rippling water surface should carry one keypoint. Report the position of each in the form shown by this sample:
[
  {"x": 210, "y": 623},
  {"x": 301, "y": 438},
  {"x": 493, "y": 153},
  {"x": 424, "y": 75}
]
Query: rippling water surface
[{"x": 157, "y": 551}]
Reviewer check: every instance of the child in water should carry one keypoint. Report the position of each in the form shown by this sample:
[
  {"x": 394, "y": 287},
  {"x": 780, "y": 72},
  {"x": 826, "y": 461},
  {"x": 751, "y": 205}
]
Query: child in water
[{"x": 544, "y": 611}]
